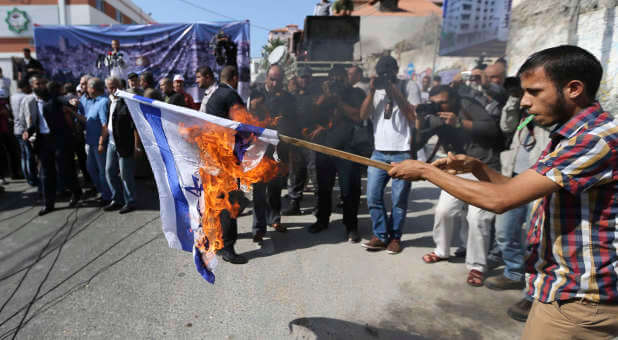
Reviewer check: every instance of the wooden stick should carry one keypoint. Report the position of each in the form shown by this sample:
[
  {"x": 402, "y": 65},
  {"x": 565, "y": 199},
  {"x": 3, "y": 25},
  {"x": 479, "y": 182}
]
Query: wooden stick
[{"x": 334, "y": 152}]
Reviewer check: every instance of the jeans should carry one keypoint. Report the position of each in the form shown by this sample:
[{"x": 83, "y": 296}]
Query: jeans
[
  {"x": 267, "y": 203},
  {"x": 349, "y": 173},
  {"x": 509, "y": 239},
  {"x": 120, "y": 174},
  {"x": 302, "y": 168},
  {"x": 28, "y": 162},
  {"x": 387, "y": 227},
  {"x": 95, "y": 163}
]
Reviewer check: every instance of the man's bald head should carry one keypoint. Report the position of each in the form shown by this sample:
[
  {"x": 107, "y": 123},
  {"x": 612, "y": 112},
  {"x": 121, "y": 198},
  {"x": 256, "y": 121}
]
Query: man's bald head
[{"x": 274, "y": 78}]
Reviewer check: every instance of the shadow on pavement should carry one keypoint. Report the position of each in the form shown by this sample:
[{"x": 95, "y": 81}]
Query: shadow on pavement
[{"x": 327, "y": 328}]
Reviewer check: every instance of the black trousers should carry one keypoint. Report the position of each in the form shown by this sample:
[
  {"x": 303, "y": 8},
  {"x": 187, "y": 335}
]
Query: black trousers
[
  {"x": 56, "y": 156},
  {"x": 349, "y": 183},
  {"x": 229, "y": 225},
  {"x": 9, "y": 156}
]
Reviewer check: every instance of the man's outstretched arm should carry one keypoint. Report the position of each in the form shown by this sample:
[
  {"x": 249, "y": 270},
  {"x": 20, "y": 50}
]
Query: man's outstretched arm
[{"x": 496, "y": 196}]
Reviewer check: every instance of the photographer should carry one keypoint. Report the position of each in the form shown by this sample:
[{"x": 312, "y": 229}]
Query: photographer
[
  {"x": 463, "y": 126},
  {"x": 337, "y": 111},
  {"x": 391, "y": 112},
  {"x": 115, "y": 61}
]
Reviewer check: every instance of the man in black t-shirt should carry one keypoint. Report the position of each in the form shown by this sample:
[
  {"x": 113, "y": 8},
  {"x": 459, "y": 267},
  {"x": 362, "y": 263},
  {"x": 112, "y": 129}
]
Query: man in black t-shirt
[
  {"x": 280, "y": 105},
  {"x": 219, "y": 104},
  {"x": 337, "y": 112}
]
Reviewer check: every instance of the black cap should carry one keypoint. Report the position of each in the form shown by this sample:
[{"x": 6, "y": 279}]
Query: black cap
[
  {"x": 387, "y": 64},
  {"x": 132, "y": 75},
  {"x": 305, "y": 71}
]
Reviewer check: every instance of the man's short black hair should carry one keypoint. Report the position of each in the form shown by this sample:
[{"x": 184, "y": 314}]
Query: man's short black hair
[
  {"x": 26, "y": 49},
  {"x": 454, "y": 100},
  {"x": 565, "y": 63},
  {"x": 205, "y": 71},
  {"x": 148, "y": 77},
  {"x": 437, "y": 78},
  {"x": 228, "y": 73}
]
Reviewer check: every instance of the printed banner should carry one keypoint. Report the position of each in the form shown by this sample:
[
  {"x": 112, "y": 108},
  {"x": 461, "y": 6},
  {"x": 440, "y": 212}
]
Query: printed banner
[
  {"x": 67, "y": 52},
  {"x": 475, "y": 28}
]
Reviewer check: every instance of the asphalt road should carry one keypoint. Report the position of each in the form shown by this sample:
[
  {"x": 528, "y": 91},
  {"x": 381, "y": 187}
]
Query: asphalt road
[{"x": 84, "y": 273}]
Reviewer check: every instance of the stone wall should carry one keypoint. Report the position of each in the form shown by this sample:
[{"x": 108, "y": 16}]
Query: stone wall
[{"x": 534, "y": 25}]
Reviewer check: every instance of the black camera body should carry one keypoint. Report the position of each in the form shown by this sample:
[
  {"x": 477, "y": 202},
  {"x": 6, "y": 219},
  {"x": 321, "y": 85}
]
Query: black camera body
[
  {"x": 335, "y": 87},
  {"x": 384, "y": 79},
  {"x": 428, "y": 109}
]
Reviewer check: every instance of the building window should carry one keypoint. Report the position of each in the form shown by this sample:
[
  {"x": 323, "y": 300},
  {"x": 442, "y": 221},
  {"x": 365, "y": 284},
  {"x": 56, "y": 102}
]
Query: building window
[
  {"x": 464, "y": 26},
  {"x": 119, "y": 16},
  {"x": 467, "y": 7},
  {"x": 99, "y": 4},
  {"x": 465, "y": 17}
]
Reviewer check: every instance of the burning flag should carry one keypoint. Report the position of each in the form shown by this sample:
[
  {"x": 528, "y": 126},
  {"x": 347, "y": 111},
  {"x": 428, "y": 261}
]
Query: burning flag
[{"x": 196, "y": 159}]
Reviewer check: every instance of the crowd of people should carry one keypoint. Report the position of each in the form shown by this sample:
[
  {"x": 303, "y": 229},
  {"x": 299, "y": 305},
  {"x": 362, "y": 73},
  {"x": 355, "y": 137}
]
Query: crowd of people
[{"x": 480, "y": 114}]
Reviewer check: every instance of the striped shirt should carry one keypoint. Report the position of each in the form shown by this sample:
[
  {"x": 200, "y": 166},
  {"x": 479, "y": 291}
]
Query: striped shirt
[{"x": 573, "y": 237}]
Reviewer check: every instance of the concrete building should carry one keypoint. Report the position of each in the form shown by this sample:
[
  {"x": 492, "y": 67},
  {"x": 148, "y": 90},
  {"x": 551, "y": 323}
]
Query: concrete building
[
  {"x": 20, "y": 17},
  {"x": 473, "y": 22}
]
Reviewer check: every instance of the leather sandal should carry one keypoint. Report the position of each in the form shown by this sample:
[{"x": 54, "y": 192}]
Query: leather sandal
[
  {"x": 475, "y": 278},
  {"x": 433, "y": 258}
]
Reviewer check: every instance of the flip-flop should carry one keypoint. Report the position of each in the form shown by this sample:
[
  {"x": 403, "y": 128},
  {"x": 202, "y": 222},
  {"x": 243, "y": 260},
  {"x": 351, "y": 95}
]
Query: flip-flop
[
  {"x": 475, "y": 278},
  {"x": 433, "y": 258}
]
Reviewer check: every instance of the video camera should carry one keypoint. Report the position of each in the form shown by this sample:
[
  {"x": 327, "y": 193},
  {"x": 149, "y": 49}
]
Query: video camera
[{"x": 428, "y": 109}]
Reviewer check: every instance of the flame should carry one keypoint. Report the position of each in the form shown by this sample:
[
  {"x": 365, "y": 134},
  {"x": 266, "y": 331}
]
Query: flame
[{"x": 220, "y": 170}]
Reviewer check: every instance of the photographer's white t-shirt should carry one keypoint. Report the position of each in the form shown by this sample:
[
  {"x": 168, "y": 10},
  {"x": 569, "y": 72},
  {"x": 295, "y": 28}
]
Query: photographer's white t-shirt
[{"x": 395, "y": 133}]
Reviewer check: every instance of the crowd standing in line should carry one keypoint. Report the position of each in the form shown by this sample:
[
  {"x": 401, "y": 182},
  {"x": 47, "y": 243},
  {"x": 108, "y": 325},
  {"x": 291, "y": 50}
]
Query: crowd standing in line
[{"x": 567, "y": 156}]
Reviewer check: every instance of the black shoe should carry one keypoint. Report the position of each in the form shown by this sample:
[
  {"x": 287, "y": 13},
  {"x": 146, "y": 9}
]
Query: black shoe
[
  {"x": 460, "y": 252},
  {"x": 74, "y": 201},
  {"x": 229, "y": 255},
  {"x": 127, "y": 209},
  {"x": 113, "y": 205},
  {"x": 45, "y": 211},
  {"x": 259, "y": 236},
  {"x": 292, "y": 209},
  {"x": 102, "y": 203},
  {"x": 316, "y": 227},
  {"x": 353, "y": 236},
  {"x": 520, "y": 310}
]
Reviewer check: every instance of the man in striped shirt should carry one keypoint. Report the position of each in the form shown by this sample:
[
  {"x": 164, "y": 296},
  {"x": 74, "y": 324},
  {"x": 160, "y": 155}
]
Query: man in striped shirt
[{"x": 572, "y": 254}]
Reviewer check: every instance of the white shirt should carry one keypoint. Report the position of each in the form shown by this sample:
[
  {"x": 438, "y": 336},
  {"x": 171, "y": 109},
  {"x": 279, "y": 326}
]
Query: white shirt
[
  {"x": 395, "y": 133},
  {"x": 43, "y": 127},
  {"x": 207, "y": 94},
  {"x": 112, "y": 108}
]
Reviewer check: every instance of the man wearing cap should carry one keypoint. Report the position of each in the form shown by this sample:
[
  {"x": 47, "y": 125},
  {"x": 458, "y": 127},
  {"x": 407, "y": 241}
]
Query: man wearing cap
[
  {"x": 133, "y": 84},
  {"x": 179, "y": 87}
]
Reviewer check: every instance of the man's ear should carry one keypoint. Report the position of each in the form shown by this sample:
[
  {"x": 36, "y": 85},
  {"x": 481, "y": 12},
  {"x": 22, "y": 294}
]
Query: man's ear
[{"x": 574, "y": 89}]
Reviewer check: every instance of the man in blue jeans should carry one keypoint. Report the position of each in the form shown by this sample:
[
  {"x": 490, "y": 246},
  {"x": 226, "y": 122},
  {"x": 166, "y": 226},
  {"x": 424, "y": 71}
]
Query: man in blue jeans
[
  {"x": 120, "y": 162},
  {"x": 95, "y": 105},
  {"x": 389, "y": 106}
]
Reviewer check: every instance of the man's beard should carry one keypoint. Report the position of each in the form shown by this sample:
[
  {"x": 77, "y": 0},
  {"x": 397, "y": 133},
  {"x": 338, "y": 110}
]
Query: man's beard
[{"x": 560, "y": 107}]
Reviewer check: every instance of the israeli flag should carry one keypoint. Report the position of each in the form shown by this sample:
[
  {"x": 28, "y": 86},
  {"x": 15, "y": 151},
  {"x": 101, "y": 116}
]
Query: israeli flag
[{"x": 175, "y": 163}]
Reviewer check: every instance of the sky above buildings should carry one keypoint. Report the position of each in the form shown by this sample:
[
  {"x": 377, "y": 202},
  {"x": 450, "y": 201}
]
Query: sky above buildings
[{"x": 263, "y": 15}]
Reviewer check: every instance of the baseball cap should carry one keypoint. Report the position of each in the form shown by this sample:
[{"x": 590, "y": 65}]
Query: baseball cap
[
  {"x": 179, "y": 77},
  {"x": 132, "y": 75}
]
